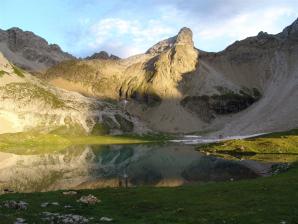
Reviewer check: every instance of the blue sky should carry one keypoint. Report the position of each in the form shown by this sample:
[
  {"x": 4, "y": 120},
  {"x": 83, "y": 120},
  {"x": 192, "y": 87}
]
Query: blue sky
[{"x": 128, "y": 27}]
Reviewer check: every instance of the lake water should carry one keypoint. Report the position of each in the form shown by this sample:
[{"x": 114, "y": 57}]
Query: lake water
[{"x": 117, "y": 165}]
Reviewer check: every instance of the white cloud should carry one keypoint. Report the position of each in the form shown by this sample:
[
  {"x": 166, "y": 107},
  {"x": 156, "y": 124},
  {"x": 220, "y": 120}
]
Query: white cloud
[
  {"x": 215, "y": 24},
  {"x": 246, "y": 24},
  {"x": 125, "y": 37},
  {"x": 226, "y": 24}
]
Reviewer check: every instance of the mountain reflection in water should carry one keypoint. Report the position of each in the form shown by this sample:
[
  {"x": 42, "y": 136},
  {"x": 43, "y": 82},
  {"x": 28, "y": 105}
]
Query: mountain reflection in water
[{"x": 105, "y": 166}]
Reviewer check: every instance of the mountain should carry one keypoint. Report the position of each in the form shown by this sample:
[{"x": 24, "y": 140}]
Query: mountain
[
  {"x": 29, "y": 51},
  {"x": 28, "y": 103},
  {"x": 250, "y": 87}
]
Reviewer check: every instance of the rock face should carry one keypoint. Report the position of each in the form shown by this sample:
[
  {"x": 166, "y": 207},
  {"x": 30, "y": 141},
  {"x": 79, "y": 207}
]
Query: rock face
[
  {"x": 249, "y": 87},
  {"x": 184, "y": 37},
  {"x": 29, "y": 51},
  {"x": 28, "y": 103},
  {"x": 290, "y": 31},
  {"x": 269, "y": 63},
  {"x": 103, "y": 55}
]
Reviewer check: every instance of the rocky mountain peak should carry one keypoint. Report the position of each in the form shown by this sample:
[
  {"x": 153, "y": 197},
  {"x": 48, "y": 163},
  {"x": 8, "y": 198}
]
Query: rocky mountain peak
[
  {"x": 30, "y": 51},
  {"x": 19, "y": 39},
  {"x": 103, "y": 55},
  {"x": 184, "y": 37},
  {"x": 291, "y": 31}
]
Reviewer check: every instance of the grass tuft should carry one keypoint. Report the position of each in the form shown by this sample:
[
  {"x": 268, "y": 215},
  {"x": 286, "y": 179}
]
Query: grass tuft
[{"x": 18, "y": 71}]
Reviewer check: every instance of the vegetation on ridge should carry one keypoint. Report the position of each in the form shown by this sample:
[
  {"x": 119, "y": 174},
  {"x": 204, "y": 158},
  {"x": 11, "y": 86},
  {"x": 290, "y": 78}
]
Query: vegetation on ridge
[
  {"x": 18, "y": 71},
  {"x": 279, "y": 143},
  {"x": 28, "y": 91},
  {"x": 2, "y": 72}
]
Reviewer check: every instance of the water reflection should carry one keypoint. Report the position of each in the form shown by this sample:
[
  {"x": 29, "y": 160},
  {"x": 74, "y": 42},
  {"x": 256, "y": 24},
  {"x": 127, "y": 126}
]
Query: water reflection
[{"x": 103, "y": 166}]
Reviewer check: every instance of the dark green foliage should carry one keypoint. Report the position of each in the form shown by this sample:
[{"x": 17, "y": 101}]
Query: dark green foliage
[
  {"x": 256, "y": 93},
  {"x": 2, "y": 73},
  {"x": 100, "y": 129},
  {"x": 125, "y": 125},
  {"x": 18, "y": 71}
]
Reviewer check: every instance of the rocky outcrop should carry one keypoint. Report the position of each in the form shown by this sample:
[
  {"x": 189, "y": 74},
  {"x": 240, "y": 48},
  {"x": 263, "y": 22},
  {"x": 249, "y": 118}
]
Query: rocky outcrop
[
  {"x": 184, "y": 37},
  {"x": 290, "y": 32},
  {"x": 207, "y": 107},
  {"x": 29, "y": 51}
]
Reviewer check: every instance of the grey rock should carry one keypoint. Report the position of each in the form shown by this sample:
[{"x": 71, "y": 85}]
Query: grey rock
[
  {"x": 109, "y": 122},
  {"x": 21, "y": 205},
  {"x": 125, "y": 125},
  {"x": 44, "y": 205},
  {"x": 20, "y": 221},
  {"x": 88, "y": 199},
  {"x": 103, "y": 55},
  {"x": 291, "y": 31},
  {"x": 106, "y": 219},
  {"x": 184, "y": 37},
  {"x": 70, "y": 193},
  {"x": 64, "y": 218},
  {"x": 29, "y": 51}
]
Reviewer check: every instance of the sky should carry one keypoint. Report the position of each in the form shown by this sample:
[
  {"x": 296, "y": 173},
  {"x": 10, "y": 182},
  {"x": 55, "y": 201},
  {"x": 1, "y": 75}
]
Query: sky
[{"x": 129, "y": 27}]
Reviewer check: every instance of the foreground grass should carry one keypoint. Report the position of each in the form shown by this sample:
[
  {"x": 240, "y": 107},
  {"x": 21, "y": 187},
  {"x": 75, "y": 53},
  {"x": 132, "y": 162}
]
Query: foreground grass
[
  {"x": 37, "y": 143},
  {"x": 276, "y": 143},
  {"x": 264, "y": 200}
]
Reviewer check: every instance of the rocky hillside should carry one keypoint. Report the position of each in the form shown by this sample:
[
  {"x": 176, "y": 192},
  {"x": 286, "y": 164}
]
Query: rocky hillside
[
  {"x": 172, "y": 87},
  {"x": 270, "y": 64},
  {"x": 29, "y": 51},
  {"x": 28, "y": 103}
]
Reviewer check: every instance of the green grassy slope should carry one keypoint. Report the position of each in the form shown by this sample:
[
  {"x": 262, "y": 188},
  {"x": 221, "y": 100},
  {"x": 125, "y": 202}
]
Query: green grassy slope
[
  {"x": 37, "y": 143},
  {"x": 264, "y": 200}
]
